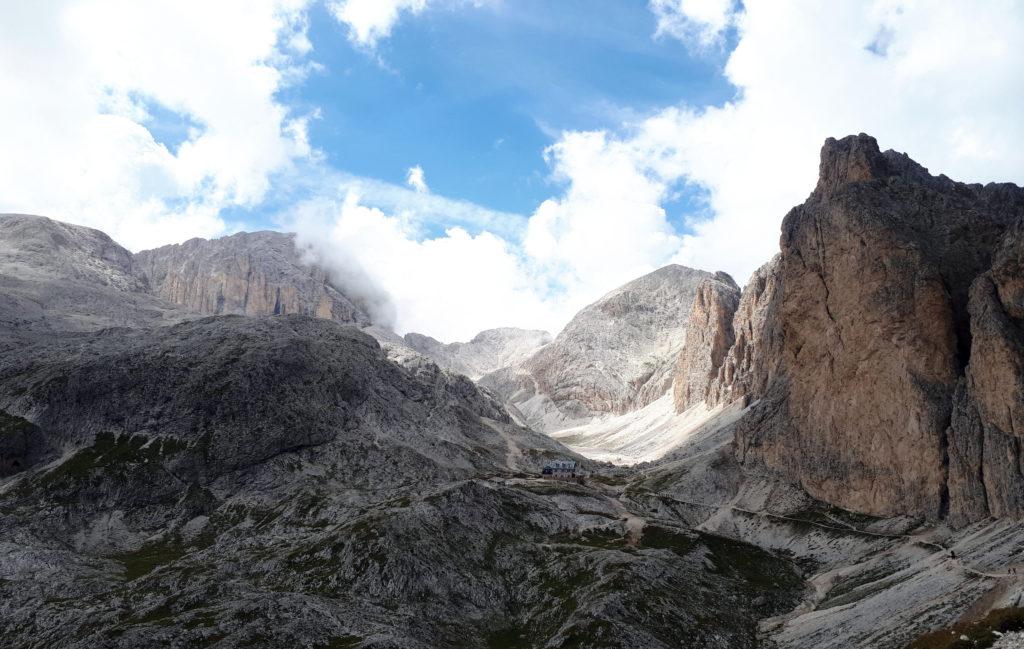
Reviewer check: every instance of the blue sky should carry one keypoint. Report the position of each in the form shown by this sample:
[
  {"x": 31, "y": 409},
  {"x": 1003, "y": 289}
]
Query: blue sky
[
  {"x": 480, "y": 163},
  {"x": 474, "y": 94}
]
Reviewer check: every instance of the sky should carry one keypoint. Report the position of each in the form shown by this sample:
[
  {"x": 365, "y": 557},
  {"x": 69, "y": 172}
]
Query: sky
[{"x": 467, "y": 164}]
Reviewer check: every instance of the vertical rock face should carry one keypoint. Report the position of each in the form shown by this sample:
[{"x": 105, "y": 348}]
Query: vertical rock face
[
  {"x": 875, "y": 330},
  {"x": 259, "y": 273},
  {"x": 754, "y": 357},
  {"x": 708, "y": 340},
  {"x": 985, "y": 460}
]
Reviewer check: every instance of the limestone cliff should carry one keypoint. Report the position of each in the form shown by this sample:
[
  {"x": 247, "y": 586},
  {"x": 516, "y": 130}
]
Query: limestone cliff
[
  {"x": 879, "y": 315},
  {"x": 709, "y": 338},
  {"x": 56, "y": 276},
  {"x": 257, "y": 273},
  {"x": 985, "y": 459},
  {"x": 754, "y": 357}
]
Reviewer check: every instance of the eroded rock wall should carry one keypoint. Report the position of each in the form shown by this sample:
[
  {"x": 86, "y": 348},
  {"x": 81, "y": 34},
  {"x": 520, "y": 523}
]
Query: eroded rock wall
[
  {"x": 985, "y": 460},
  {"x": 881, "y": 350},
  {"x": 709, "y": 338},
  {"x": 259, "y": 273}
]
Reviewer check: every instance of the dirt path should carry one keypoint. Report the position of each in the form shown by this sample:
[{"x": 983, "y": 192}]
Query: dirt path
[{"x": 514, "y": 453}]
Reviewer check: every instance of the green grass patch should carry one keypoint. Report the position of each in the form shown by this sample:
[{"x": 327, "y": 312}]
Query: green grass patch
[
  {"x": 658, "y": 537},
  {"x": 514, "y": 637},
  {"x": 752, "y": 565},
  {"x": 341, "y": 642},
  {"x": 149, "y": 557},
  {"x": 109, "y": 455}
]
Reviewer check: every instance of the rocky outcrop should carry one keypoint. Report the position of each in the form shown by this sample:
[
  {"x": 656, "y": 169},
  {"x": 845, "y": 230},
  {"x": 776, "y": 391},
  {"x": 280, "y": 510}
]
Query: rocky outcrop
[
  {"x": 875, "y": 270},
  {"x": 753, "y": 360},
  {"x": 986, "y": 465},
  {"x": 258, "y": 273},
  {"x": 238, "y": 481},
  {"x": 60, "y": 277},
  {"x": 709, "y": 337},
  {"x": 616, "y": 355},
  {"x": 238, "y": 391},
  {"x": 489, "y": 350}
]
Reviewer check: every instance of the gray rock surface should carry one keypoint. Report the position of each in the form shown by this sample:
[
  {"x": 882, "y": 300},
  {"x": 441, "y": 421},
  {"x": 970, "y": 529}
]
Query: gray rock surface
[
  {"x": 250, "y": 273},
  {"x": 616, "y": 355},
  {"x": 753, "y": 360},
  {"x": 58, "y": 277},
  {"x": 984, "y": 439},
  {"x": 489, "y": 351},
  {"x": 240, "y": 481}
]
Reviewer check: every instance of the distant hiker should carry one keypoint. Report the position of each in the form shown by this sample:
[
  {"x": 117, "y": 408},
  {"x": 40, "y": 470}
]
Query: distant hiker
[{"x": 952, "y": 555}]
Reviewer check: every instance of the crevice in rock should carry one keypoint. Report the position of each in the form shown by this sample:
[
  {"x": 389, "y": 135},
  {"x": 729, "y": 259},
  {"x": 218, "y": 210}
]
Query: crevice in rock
[
  {"x": 962, "y": 331},
  {"x": 944, "y": 493}
]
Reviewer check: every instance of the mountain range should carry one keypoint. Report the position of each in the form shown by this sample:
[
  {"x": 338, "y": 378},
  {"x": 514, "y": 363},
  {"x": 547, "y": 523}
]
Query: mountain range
[{"x": 212, "y": 444}]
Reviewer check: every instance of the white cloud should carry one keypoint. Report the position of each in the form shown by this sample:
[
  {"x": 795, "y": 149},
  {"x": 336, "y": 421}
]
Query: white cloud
[
  {"x": 695, "y": 22},
  {"x": 804, "y": 72},
  {"x": 370, "y": 21},
  {"x": 943, "y": 83},
  {"x": 450, "y": 286},
  {"x": 415, "y": 179},
  {"x": 423, "y": 211},
  {"x": 82, "y": 79},
  {"x": 948, "y": 91},
  {"x": 87, "y": 83},
  {"x": 608, "y": 227}
]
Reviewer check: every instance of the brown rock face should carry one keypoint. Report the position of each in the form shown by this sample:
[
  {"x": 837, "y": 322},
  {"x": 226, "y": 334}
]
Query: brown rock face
[
  {"x": 875, "y": 330},
  {"x": 708, "y": 339},
  {"x": 754, "y": 357},
  {"x": 259, "y": 273},
  {"x": 985, "y": 460}
]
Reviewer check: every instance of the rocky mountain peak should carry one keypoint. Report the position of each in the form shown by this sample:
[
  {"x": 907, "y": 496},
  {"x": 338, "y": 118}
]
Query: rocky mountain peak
[
  {"x": 854, "y": 158},
  {"x": 874, "y": 346},
  {"x": 487, "y": 352},
  {"x": 709, "y": 337},
  {"x": 72, "y": 251},
  {"x": 616, "y": 355},
  {"x": 857, "y": 158},
  {"x": 250, "y": 273}
]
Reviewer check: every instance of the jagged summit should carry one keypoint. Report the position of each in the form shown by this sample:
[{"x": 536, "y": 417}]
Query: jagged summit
[
  {"x": 614, "y": 356},
  {"x": 488, "y": 351},
  {"x": 863, "y": 342}
]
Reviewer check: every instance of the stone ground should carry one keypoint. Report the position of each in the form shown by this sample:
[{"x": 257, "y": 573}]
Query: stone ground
[{"x": 1010, "y": 641}]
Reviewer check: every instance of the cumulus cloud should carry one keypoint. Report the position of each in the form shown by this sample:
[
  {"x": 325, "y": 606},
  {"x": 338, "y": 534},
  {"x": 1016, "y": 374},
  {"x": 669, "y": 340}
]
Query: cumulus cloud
[
  {"x": 450, "y": 286},
  {"x": 415, "y": 179},
  {"x": 82, "y": 83},
  {"x": 90, "y": 87},
  {"x": 608, "y": 227},
  {"x": 696, "y": 22},
  {"x": 803, "y": 72},
  {"x": 943, "y": 83},
  {"x": 369, "y": 21}
]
